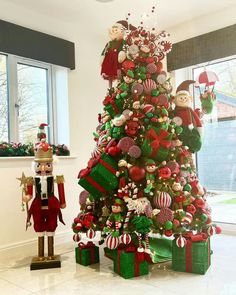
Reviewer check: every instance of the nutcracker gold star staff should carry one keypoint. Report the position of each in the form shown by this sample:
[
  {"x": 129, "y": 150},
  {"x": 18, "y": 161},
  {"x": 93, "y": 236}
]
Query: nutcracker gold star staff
[{"x": 24, "y": 182}]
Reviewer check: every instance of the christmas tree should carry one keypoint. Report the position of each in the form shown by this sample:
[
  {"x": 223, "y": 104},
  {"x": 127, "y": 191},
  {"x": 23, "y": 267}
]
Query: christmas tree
[{"x": 141, "y": 178}]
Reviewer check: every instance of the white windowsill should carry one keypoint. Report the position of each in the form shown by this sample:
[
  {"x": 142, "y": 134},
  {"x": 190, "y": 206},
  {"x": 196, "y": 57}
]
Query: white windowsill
[{"x": 31, "y": 158}]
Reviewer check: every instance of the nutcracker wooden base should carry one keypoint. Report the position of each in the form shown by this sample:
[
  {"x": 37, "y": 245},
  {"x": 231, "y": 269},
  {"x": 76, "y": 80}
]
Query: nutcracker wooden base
[{"x": 43, "y": 264}]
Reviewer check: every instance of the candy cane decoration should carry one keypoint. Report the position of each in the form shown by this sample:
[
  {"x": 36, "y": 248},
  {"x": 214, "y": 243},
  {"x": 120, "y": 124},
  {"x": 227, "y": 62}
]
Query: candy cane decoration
[
  {"x": 147, "y": 250},
  {"x": 140, "y": 248},
  {"x": 127, "y": 218}
]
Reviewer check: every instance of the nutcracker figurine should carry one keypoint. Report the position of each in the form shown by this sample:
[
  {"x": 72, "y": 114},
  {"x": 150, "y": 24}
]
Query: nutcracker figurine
[{"x": 45, "y": 207}]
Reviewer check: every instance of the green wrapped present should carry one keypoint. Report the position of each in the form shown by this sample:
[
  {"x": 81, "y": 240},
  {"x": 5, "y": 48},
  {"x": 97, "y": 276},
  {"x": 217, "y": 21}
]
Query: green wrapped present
[
  {"x": 128, "y": 264},
  {"x": 157, "y": 143},
  {"x": 113, "y": 106},
  {"x": 87, "y": 254},
  {"x": 100, "y": 178},
  {"x": 109, "y": 253},
  {"x": 195, "y": 257}
]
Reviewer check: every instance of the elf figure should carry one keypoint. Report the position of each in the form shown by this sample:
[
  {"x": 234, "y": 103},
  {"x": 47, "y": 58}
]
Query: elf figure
[
  {"x": 150, "y": 175},
  {"x": 186, "y": 117},
  {"x": 45, "y": 207},
  {"x": 122, "y": 173},
  {"x": 113, "y": 53},
  {"x": 41, "y": 132},
  {"x": 141, "y": 221},
  {"x": 115, "y": 219},
  {"x": 118, "y": 128}
]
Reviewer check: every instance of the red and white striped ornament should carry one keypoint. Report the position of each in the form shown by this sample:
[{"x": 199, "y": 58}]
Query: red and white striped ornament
[
  {"x": 112, "y": 242},
  {"x": 211, "y": 230},
  {"x": 149, "y": 85},
  {"x": 90, "y": 233},
  {"x": 77, "y": 237},
  {"x": 148, "y": 108},
  {"x": 188, "y": 218},
  {"x": 125, "y": 239},
  {"x": 181, "y": 242},
  {"x": 162, "y": 200}
]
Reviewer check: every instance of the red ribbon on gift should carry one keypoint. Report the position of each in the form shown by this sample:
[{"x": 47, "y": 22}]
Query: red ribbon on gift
[
  {"x": 158, "y": 140},
  {"x": 111, "y": 100},
  {"x": 91, "y": 246},
  {"x": 84, "y": 173},
  {"x": 201, "y": 237},
  {"x": 137, "y": 258}
]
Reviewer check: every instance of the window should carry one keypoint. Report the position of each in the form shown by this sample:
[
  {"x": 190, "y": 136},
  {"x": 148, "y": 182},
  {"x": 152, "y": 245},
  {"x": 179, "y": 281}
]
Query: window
[
  {"x": 216, "y": 161},
  {"x": 26, "y": 98},
  {"x": 218, "y": 151},
  {"x": 31, "y": 93},
  {"x": 3, "y": 99}
]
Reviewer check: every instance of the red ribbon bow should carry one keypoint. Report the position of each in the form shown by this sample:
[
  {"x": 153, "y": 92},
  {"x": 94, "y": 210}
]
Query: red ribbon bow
[
  {"x": 200, "y": 237},
  {"x": 158, "y": 140},
  {"x": 108, "y": 99},
  {"x": 89, "y": 244}
]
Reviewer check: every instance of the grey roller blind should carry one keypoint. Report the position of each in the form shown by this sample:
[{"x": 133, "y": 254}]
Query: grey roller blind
[
  {"x": 28, "y": 43},
  {"x": 203, "y": 48}
]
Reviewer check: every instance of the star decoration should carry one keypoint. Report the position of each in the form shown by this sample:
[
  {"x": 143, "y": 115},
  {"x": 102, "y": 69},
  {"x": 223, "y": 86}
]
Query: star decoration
[{"x": 23, "y": 179}]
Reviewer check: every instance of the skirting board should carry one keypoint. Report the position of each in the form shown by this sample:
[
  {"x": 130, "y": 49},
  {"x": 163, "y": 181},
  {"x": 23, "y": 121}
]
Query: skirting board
[{"x": 61, "y": 237}]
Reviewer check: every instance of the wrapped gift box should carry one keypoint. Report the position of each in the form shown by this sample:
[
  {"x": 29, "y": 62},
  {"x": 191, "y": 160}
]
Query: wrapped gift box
[
  {"x": 109, "y": 253},
  {"x": 101, "y": 178},
  {"x": 128, "y": 265},
  {"x": 114, "y": 107},
  {"x": 87, "y": 254},
  {"x": 195, "y": 257},
  {"x": 157, "y": 144}
]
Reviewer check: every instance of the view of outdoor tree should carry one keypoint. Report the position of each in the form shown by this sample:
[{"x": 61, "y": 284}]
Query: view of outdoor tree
[
  {"x": 3, "y": 100},
  {"x": 32, "y": 100}
]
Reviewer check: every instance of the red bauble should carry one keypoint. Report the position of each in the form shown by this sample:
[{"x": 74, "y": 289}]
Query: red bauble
[
  {"x": 199, "y": 203},
  {"x": 78, "y": 226},
  {"x": 218, "y": 230},
  {"x": 137, "y": 173},
  {"x": 176, "y": 223},
  {"x": 149, "y": 60},
  {"x": 114, "y": 151},
  {"x": 209, "y": 220},
  {"x": 191, "y": 209},
  {"x": 164, "y": 172},
  {"x": 168, "y": 233}
]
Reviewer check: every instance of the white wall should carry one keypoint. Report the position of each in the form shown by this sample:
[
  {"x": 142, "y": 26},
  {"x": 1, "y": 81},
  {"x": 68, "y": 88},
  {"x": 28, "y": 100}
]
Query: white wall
[{"x": 86, "y": 92}]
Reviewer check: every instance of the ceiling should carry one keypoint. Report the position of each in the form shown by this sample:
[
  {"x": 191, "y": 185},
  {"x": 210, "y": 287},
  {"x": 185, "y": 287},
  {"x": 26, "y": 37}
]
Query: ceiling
[{"x": 170, "y": 13}]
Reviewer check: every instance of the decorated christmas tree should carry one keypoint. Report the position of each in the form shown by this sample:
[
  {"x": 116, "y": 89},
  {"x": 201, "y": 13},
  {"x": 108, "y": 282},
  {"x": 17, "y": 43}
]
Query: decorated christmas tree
[{"x": 141, "y": 178}]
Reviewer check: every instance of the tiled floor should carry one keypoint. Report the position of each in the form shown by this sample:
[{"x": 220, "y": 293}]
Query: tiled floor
[{"x": 16, "y": 278}]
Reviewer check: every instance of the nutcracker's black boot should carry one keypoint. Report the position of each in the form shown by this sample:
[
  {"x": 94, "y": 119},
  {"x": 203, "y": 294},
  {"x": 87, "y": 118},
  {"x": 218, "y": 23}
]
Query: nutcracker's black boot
[{"x": 51, "y": 248}]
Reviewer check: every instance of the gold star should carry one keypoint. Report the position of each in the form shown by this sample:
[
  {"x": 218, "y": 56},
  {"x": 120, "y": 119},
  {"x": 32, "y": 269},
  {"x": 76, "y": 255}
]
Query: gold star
[{"x": 23, "y": 179}]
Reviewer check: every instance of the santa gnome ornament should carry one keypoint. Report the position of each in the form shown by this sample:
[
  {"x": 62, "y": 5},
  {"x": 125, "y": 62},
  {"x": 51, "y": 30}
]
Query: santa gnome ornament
[
  {"x": 45, "y": 207},
  {"x": 187, "y": 118}
]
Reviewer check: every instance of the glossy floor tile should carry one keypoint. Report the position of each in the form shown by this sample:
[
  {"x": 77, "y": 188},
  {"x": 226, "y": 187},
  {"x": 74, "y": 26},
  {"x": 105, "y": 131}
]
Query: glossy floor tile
[{"x": 71, "y": 278}]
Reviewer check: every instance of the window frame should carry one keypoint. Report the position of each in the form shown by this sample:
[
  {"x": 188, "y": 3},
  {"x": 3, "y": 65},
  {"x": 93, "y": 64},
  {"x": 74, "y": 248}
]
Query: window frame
[{"x": 12, "y": 95}]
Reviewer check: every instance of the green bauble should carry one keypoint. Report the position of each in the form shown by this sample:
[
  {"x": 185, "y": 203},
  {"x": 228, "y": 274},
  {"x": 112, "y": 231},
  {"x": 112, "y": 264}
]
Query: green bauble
[
  {"x": 204, "y": 218},
  {"x": 187, "y": 187},
  {"x": 178, "y": 130},
  {"x": 168, "y": 225}
]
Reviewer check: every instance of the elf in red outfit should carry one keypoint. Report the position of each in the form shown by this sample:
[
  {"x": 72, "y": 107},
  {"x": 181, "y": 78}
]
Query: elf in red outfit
[
  {"x": 45, "y": 208},
  {"x": 113, "y": 52}
]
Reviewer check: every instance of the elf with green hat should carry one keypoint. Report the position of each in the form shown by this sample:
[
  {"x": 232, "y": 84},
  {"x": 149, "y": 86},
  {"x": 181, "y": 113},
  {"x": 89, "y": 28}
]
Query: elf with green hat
[
  {"x": 150, "y": 168},
  {"x": 115, "y": 219}
]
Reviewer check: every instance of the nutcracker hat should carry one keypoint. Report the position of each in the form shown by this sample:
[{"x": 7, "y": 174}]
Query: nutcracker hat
[
  {"x": 43, "y": 151},
  {"x": 183, "y": 88}
]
